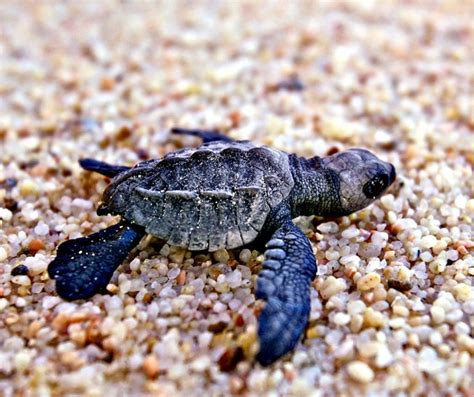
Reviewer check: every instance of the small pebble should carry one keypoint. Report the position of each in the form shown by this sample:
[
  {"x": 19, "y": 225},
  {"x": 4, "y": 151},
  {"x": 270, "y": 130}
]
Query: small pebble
[
  {"x": 342, "y": 319},
  {"x": 22, "y": 280},
  {"x": 82, "y": 204},
  {"x": 6, "y": 214},
  {"x": 201, "y": 364},
  {"x": 360, "y": 372},
  {"x": 428, "y": 242},
  {"x": 368, "y": 282},
  {"x": 245, "y": 255},
  {"x": 42, "y": 229},
  {"x": 221, "y": 256},
  {"x": 373, "y": 319},
  {"x": 332, "y": 286},
  {"x": 151, "y": 366},
  {"x": 173, "y": 273},
  {"x": 20, "y": 270},
  {"x": 3, "y": 254},
  {"x": 35, "y": 245},
  {"x": 230, "y": 358},
  {"x": 135, "y": 264},
  {"x": 328, "y": 227},
  {"x": 437, "y": 314},
  {"x": 463, "y": 292},
  {"x": 22, "y": 361},
  {"x": 350, "y": 232},
  {"x": 28, "y": 188},
  {"x": 181, "y": 279}
]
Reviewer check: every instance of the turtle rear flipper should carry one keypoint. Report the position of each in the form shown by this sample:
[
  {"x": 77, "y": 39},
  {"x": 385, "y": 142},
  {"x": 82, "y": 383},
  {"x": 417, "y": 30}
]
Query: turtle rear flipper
[
  {"x": 100, "y": 167},
  {"x": 288, "y": 269},
  {"x": 84, "y": 266}
]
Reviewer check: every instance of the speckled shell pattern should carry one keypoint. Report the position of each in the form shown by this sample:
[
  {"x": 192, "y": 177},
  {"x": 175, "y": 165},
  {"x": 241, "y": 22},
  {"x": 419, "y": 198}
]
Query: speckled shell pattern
[{"x": 207, "y": 198}]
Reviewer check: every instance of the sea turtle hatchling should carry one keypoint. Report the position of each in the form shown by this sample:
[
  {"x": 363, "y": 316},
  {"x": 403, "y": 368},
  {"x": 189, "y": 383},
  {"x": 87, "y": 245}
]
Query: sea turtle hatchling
[{"x": 226, "y": 194}]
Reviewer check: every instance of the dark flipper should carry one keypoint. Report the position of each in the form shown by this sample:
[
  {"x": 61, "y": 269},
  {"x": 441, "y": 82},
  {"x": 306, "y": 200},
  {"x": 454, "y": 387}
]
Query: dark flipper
[
  {"x": 205, "y": 135},
  {"x": 284, "y": 282},
  {"x": 102, "y": 168},
  {"x": 84, "y": 266}
]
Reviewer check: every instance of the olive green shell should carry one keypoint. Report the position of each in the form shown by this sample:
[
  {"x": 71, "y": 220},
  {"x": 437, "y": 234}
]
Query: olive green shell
[{"x": 207, "y": 198}]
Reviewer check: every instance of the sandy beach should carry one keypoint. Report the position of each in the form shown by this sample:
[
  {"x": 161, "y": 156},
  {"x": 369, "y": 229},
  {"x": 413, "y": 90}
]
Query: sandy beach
[{"x": 393, "y": 303}]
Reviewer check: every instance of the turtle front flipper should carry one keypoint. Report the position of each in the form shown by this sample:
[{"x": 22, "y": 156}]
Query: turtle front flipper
[
  {"x": 206, "y": 135},
  {"x": 84, "y": 266},
  {"x": 284, "y": 283}
]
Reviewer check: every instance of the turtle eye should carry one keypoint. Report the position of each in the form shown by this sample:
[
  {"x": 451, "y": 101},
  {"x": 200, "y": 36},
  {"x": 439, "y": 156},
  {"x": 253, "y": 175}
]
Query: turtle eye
[{"x": 375, "y": 186}]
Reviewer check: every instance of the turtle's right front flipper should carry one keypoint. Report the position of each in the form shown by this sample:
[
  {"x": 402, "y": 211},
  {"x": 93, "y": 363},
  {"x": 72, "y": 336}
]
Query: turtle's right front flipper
[
  {"x": 84, "y": 266},
  {"x": 284, "y": 283}
]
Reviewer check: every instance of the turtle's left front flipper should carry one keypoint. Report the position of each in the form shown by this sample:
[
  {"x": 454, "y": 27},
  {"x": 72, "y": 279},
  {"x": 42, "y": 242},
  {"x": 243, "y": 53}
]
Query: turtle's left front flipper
[
  {"x": 206, "y": 135},
  {"x": 288, "y": 269},
  {"x": 84, "y": 266}
]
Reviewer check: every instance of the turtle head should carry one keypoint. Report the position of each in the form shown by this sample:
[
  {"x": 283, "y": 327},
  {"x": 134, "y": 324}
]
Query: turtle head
[{"x": 360, "y": 178}]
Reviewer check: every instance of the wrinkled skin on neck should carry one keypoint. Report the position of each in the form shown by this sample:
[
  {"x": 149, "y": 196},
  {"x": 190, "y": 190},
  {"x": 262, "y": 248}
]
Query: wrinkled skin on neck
[{"x": 340, "y": 184}]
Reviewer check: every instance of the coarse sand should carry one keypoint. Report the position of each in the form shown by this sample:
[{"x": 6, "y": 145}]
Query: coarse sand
[{"x": 393, "y": 306}]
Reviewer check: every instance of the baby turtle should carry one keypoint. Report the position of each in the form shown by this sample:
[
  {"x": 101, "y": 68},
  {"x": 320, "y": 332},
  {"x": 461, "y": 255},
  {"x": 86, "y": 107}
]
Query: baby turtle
[{"x": 226, "y": 194}]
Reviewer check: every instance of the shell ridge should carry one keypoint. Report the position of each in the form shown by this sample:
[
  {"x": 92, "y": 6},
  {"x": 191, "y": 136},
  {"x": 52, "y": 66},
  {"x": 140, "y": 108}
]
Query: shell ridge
[
  {"x": 184, "y": 194},
  {"x": 222, "y": 194},
  {"x": 148, "y": 192}
]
